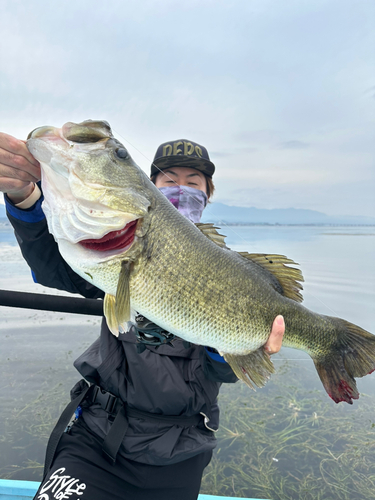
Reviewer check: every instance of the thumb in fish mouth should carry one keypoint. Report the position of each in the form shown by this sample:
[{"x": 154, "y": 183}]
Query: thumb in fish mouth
[{"x": 40, "y": 150}]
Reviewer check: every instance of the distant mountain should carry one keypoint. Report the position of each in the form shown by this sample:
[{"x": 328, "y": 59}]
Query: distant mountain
[{"x": 219, "y": 212}]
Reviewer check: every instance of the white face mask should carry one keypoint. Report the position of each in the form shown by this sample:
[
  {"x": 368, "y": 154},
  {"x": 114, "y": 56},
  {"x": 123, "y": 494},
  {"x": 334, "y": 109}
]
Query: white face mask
[{"x": 190, "y": 202}]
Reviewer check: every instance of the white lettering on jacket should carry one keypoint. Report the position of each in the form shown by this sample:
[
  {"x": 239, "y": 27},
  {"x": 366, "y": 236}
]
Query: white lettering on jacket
[{"x": 61, "y": 486}]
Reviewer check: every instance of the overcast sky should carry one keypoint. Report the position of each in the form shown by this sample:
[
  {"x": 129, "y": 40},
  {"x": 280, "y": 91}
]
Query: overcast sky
[{"x": 281, "y": 92}]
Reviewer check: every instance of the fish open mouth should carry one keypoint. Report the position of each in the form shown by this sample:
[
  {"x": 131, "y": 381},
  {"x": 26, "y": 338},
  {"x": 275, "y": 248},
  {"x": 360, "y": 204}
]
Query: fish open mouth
[{"x": 114, "y": 240}]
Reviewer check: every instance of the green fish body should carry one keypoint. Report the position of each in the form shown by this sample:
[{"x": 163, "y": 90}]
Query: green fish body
[{"x": 117, "y": 231}]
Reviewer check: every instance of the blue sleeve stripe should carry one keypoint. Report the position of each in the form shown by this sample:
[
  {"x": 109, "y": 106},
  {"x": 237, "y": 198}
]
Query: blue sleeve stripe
[
  {"x": 215, "y": 356},
  {"x": 33, "y": 276},
  {"x": 33, "y": 214}
]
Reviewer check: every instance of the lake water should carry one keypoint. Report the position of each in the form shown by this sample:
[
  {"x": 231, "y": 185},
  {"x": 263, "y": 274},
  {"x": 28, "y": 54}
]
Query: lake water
[{"x": 286, "y": 441}]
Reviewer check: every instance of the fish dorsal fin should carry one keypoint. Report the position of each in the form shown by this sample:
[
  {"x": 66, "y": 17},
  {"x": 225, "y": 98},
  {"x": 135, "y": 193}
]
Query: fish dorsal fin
[
  {"x": 117, "y": 309},
  {"x": 209, "y": 230},
  {"x": 288, "y": 278}
]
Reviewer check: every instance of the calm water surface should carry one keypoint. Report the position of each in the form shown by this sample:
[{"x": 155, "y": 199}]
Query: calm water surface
[{"x": 287, "y": 440}]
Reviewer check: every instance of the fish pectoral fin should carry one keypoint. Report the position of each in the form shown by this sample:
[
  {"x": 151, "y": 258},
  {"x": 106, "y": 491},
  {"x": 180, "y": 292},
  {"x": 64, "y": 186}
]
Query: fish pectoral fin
[
  {"x": 122, "y": 303},
  {"x": 109, "y": 308},
  {"x": 117, "y": 309},
  {"x": 254, "y": 369},
  {"x": 209, "y": 230},
  {"x": 288, "y": 278}
]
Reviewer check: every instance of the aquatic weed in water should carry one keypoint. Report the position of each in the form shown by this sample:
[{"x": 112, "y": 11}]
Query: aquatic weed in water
[{"x": 284, "y": 443}]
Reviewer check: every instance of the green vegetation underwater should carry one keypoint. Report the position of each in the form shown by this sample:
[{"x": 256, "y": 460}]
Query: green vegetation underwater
[{"x": 285, "y": 441}]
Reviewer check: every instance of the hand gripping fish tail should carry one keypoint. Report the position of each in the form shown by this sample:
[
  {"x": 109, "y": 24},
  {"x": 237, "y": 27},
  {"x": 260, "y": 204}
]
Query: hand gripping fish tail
[{"x": 351, "y": 356}]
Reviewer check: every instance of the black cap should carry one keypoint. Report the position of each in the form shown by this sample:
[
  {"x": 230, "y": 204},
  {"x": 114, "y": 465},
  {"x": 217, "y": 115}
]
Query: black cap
[{"x": 182, "y": 153}]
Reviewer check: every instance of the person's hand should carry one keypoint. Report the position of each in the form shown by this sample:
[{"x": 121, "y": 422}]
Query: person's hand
[
  {"x": 275, "y": 339},
  {"x": 19, "y": 170}
]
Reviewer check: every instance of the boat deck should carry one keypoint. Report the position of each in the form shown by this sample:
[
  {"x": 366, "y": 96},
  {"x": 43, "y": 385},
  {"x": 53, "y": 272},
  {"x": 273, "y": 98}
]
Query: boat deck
[{"x": 25, "y": 490}]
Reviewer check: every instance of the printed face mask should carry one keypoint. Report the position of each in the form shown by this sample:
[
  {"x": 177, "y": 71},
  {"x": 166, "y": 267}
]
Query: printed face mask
[{"x": 190, "y": 202}]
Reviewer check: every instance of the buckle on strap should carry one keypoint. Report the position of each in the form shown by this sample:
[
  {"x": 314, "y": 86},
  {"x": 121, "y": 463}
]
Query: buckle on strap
[
  {"x": 206, "y": 421},
  {"x": 148, "y": 333},
  {"x": 106, "y": 400}
]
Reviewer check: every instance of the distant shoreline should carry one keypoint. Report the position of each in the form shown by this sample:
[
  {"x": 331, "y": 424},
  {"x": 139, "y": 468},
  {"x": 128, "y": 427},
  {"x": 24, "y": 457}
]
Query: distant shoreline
[
  {"x": 283, "y": 224},
  {"x": 5, "y": 222}
]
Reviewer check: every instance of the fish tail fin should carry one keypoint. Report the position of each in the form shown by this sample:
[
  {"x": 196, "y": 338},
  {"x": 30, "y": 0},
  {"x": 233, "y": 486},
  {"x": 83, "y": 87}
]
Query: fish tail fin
[
  {"x": 254, "y": 368},
  {"x": 353, "y": 356}
]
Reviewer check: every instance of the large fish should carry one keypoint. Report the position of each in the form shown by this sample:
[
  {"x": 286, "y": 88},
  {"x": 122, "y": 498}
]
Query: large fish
[{"x": 117, "y": 231}]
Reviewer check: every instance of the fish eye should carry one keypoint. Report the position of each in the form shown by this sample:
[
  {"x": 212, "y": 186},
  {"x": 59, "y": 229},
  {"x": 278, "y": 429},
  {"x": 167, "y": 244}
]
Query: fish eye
[{"x": 121, "y": 153}]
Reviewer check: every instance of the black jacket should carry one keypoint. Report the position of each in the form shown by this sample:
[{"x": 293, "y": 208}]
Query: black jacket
[{"x": 168, "y": 380}]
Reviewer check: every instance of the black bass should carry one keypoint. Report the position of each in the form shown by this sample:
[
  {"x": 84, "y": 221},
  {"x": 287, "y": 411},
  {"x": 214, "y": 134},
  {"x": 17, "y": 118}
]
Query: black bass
[{"x": 117, "y": 231}]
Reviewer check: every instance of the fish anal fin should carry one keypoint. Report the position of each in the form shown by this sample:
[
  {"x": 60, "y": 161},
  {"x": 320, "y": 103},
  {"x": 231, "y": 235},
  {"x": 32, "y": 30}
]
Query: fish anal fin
[
  {"x": 109, "y": 307},
  {"x": 254, "y": 369},
  {"x": 289, "y": 278},
  {"x": 210, "y": 231},
  {"x": 122, "y": 305}
]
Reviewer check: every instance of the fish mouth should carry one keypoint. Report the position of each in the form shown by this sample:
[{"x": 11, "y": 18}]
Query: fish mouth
[
  {"x": 46, "y": 131},
  {"x": 115, "y": 240},
  {"x": 84, "y": 132}
]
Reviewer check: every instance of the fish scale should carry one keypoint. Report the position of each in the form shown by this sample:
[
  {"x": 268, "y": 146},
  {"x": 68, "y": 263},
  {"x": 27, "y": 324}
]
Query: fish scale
[
  {"x": 199, "y": 321},
  {"x": 180, "y": 276}
]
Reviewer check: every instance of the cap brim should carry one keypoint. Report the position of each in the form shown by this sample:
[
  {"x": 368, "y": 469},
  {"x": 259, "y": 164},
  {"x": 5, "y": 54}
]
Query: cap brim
[{"x": 204, "y": 166}]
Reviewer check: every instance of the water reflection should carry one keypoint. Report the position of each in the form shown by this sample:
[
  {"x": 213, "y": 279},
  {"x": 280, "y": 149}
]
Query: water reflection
[{"x": 286, "y": 441}]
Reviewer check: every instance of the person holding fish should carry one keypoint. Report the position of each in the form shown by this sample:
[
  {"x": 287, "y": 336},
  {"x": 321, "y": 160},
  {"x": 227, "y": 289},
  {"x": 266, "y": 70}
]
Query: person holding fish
[{"x": 145, "y": 428}]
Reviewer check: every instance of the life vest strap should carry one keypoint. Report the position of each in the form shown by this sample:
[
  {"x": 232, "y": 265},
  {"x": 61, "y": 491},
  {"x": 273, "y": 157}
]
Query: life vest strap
[{"x": 119, "y": 412}]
